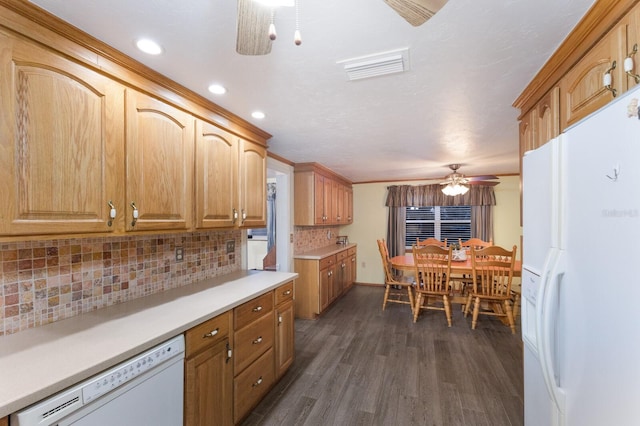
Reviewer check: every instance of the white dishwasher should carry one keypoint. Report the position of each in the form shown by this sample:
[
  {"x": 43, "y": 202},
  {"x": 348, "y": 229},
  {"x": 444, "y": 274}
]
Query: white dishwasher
[{"x": 145, "y": 390}]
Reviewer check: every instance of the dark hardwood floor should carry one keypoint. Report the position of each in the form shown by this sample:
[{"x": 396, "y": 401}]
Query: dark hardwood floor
[{"x": 358, "y": 365}]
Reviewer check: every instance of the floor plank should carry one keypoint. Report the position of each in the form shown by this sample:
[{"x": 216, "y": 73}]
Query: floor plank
[{"x": 358, "y": 365}]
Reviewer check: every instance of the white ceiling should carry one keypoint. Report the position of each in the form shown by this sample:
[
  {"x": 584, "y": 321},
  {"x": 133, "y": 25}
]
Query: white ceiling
[{"x": 467, "y": 66}]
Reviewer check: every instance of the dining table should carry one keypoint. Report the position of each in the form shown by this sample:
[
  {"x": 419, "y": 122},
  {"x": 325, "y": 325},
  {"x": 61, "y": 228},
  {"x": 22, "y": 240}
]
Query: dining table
[
  {"x": 405, "y": 263},
  {"x": 459, "y": 268}
]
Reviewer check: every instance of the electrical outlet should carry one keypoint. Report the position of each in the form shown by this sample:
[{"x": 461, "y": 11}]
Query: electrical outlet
[
  {"x": 231, "y": 246},
  {"x": 179, "y": 254}
]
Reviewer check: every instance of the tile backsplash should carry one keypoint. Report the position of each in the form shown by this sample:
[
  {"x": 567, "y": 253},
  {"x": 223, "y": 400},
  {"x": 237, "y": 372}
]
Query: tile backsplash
[
  {"x": 46, "y": 281},
  {"x": 307, "y": 238}
]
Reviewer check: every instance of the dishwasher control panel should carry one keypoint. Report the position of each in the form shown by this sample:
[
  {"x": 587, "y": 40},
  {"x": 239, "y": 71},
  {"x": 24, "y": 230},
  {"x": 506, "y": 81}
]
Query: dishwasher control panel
[{"x": 118, "y": 376}]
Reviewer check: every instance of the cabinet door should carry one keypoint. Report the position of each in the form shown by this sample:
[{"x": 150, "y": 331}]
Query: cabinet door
[
  {"x": 253, "y": 185},
  {"x": 159, "y": 155},
  {"x": 354, "y": 269},
  {"x": 61, "y": 144},
  {"x": 328, "y": 202},
  {"x": 216, "y": 177},
  {"x": 348, "y": 204},
  {"x": 209, "y": 387},
  {"x": 632, "y": 21},
  {"x": 582, "y": 88},
  {"x": 326, "y": 287},
  {"x": 318, "y": 188},
  {"x": 547, "y": 117},
  {"x": 285, "y": 337}
]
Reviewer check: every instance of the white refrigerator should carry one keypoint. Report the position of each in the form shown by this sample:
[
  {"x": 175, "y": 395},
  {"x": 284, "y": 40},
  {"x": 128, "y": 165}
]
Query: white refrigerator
[{"x": 580, "y": 285}]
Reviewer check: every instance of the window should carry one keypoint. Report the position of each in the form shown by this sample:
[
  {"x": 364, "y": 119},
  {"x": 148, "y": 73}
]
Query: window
[{"x": 450, "y": 222}]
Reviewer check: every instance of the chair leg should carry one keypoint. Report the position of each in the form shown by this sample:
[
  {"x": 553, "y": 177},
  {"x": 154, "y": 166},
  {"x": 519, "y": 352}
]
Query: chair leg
[
  {"x": 516, "y": 302},
  {"x": 416, "y": 309},
  {"x": 447, "y": 308},
  {"x": 411, "y": 299},
  {"x": 507, "y": 308},
  {"x": 387, "y": 288},
  {"x": 476, "y": 311},
  {"x": 467, "y": 305}
]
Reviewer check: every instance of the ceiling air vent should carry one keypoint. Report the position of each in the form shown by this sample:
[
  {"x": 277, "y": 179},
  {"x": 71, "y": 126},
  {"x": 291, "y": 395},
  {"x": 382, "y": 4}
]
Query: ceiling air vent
[{"x": 377, "y": 64}]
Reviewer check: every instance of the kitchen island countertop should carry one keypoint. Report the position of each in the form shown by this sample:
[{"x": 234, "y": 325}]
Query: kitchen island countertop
[{"x": 38, "y": 362}]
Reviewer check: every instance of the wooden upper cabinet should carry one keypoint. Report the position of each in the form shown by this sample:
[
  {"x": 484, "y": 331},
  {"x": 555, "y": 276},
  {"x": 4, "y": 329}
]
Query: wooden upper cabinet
[
  {"x": 320, "y": 205},
  {"x": 632, "y": 21},
  {"x": 61, "y": 138},
  {"x": 547, "y": 118},
  {"x": 216, "y": 177},
  {"x": 321, "y": 197},
  {"x": 159, "y": 158},
  {"x": 253, "y": 185},
  {"x": 582, "y": 88}
]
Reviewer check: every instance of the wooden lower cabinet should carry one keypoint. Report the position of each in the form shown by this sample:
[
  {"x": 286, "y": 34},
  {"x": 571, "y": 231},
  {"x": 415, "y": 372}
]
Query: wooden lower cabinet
[
  {"x": 285, "y": 332},
  {"x": 4, "y": 421},
  {"x": 254, "y": 363},
  {"x": 234, "y": 359},
  {"x": 209, "y": 373},
  {"x": 322, "y": 281}
]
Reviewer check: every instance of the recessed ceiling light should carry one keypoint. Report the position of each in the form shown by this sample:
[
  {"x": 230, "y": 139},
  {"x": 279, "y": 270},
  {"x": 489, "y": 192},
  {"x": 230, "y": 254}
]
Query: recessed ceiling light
[
  {"x": 258, "y": 114},
  {"x": 149, "y": 46},
  {"x": 217, "y": 89}
]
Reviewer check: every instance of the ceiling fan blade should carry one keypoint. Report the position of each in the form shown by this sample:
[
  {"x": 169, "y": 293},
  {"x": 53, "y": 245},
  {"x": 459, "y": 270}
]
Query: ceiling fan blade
[
  {"x": 253, "y": 28},
  {"x": 416, "y": 12},
  {"x": 483, "y": 182},
  {"x": 484, "y": 177}
]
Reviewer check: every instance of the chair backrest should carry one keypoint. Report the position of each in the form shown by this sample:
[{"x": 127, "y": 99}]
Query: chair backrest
[
  {"x": 432, "y": 267},
  {"x": 492, "y": 270},
  {"x": 431, "y": 242},
  {"x": 477, "y": 243},
  {"x": 384, "y": 254}
]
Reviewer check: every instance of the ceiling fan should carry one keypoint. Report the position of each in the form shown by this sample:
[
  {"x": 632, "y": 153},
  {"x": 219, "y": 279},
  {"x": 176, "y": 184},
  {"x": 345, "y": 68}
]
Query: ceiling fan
[
  {"x": 254, "y": 36},
  {"x": 456, "y": 183}
]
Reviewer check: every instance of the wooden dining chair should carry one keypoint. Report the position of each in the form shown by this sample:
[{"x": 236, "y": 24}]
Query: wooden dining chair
[
  {"x": 397, "y": 289},
  {"x": 492, "y": 273},
  {"x": 465, "y": 281},
  {"x": 431, "y": 241},
  {"x": 432, "y": 272}
]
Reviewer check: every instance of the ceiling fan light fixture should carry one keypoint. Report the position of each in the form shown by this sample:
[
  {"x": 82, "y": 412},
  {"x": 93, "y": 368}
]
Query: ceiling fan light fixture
[{"x": 453, "y": 189}]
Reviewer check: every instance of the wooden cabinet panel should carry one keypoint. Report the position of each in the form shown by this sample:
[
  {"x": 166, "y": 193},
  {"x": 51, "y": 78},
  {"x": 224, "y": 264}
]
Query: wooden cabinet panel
[
  {"x": 582, "y": 88},
  {"x": 159, "y": 158},
  {"x": 216, "y": 177},
  {"x": 321, "y": 200},
  {"x": 284, "y": 293},
  {"x": 319, "y": 203},
  {"x": 209, "y": 387},
  {"x": 253, "y": 184},
  {"x": 61, "y": 141},
  {"x": 632, "y": 22},
  {"x": 285, "y": 337},
  {"x": 208, "y": 333},
  {"x": 252, "y": 341},
  {"x": 547, "y": 118},
  {"x": 348, "y": 204},
  {"x": 252, "y": 384},
  {"x": 252, "y": 310}
]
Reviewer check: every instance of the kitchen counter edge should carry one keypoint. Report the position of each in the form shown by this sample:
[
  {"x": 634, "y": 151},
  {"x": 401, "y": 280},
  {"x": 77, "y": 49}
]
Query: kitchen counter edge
[
  {"x": 39, "y": 362},
  {"x": 323, "y": 252}
]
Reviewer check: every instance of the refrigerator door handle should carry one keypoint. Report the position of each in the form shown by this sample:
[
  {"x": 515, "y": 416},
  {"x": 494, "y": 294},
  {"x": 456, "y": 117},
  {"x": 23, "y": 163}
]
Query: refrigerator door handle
[{"x": 546, "y": 301}]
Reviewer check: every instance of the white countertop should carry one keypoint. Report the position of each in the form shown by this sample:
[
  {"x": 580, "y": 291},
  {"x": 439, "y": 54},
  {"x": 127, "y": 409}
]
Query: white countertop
[
  {"x": 323, "y": 252},
  {"x": 39, "y": 362}
]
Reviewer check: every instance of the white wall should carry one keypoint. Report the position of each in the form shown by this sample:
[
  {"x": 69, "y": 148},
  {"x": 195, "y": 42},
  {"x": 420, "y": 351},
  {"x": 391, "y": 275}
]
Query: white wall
[{"x": 370, "y": 222}]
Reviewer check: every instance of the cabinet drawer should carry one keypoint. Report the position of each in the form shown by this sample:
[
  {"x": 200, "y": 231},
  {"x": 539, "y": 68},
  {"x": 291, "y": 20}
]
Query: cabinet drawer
[
  {"x": 342, "y": 255},
  {"x": 252, "y": 310},
  {"x": 252, "y": 384},
  {"x": 327, "y": 261},
  {"x": 252, "y": 341},
  {"x": 284, "y": 292},
  {"x": 207, "y": 334},
  {"x": 352, "y": 251}
]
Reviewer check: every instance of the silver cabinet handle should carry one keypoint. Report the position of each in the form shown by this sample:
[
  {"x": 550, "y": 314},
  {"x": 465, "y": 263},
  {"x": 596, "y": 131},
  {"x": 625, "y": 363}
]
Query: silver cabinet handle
[
  {"x": 258, "y": 382},
  {"x": 286, "y": 293},
  {"x": 211, "y": 333},
  {"x": 257, "y": 309},
  {"x": 257, "y": 341}
]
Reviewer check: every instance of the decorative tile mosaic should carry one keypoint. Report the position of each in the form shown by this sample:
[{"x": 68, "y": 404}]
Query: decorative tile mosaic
[
  {"x": 307, "y": 238},
  {"x": 46, "y": 281}
]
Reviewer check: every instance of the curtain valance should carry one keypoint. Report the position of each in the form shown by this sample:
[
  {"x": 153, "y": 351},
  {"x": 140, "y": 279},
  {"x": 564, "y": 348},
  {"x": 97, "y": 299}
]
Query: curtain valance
[{"x": 431, "y": 195}]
